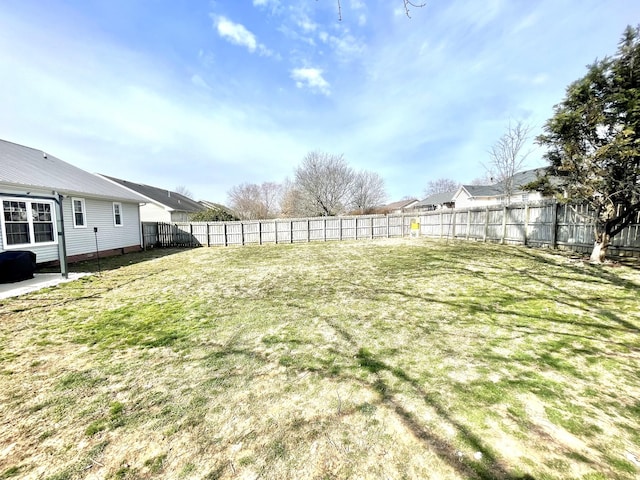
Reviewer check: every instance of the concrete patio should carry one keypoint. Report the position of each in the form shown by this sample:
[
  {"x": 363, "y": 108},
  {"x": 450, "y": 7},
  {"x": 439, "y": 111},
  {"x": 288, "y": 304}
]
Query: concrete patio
[{"x": 40, "y": 280}]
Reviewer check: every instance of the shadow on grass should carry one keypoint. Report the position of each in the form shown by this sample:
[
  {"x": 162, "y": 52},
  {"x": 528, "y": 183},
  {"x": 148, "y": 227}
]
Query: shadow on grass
[
  {"x": 488, "y": 468},
  {"x": 114, "y": 262},
  {"x": 44, "y": 299}
]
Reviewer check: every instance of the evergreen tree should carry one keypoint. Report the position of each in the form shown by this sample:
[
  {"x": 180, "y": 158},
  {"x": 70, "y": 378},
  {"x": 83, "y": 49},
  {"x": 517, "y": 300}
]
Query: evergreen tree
[{"x": 593, "y": 142}]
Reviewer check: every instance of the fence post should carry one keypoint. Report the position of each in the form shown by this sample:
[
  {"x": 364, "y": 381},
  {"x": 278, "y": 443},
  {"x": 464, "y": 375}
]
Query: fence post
[
  {"x": 372, "y": 232},
  {"x": 324, "y": 229},
  {"x": 388, "y": 228},
  {"x": 340, "y": 228},
  {"x": 468, "y": 222},
  {"x": 259, "y": 232},
  {"x": 453, "y": 229},
  {"x": 290, "y": 231},
  {"x": 486, "y": 223},
  {"x": 554, "y": 225},
  {"x": 308, "y": 230},
  {"x": 504, "y": 224},
  {"x": 242, "y": 233},
  {"x": 356, "y": 228},
  {"x": 275, "y": 231},
  {"x": 226, "y": 241},
  {"x": 526, "y": 224}
]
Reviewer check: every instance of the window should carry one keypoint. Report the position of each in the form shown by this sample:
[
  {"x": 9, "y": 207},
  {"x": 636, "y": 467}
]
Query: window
[
  {"x": 27, "y": 222},
  {"x": 117, "y": 214},
  {"x": 79, "y": 213}
]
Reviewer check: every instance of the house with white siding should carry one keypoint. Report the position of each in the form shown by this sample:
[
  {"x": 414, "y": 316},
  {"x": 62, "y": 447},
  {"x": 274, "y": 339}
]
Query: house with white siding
[
  {"x": 401, "y": 206},
  {"x": 437, "y": 201},
  {"x": 50, "y": 207},
  {"x": 160, "y": 205},
  {"x": 482, "y": 195}
]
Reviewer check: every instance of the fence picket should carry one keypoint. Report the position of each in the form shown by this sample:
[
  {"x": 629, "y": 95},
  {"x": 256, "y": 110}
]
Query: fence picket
[{"x": 543, "y": 224}]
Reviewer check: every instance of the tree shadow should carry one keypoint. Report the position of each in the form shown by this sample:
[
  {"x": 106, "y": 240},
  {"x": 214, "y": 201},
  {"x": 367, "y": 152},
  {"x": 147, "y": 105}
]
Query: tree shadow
[
  {"x": 113, "y": 262},
  {"x": 490, "y": 467}
]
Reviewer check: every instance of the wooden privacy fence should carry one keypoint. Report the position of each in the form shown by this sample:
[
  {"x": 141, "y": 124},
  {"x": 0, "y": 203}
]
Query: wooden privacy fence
[
  {"x": 544, "y": 224},
  {"x": 547, "y": 224},
  {"x": 274, "y": 231}
]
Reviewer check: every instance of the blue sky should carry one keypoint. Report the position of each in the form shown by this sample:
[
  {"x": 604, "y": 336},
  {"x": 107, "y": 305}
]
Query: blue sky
[{"x": 211, "y": 94}]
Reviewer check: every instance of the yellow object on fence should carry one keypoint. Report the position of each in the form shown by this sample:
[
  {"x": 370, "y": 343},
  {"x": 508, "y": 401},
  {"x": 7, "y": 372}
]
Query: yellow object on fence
[{"x": 415, "y": 228}]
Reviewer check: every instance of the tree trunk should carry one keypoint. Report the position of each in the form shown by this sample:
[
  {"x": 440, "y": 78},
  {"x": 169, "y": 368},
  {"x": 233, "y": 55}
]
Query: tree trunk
[{"x": 600, "y": 246}]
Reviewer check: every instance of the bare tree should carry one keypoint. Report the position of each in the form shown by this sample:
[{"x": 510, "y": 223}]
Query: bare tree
[
  {"x": 367, "y": 192},
  {"x": 291, "y": 204},
  {"x": 252, "y": 201},
  {"x": 270, "y": 193},
  {"x": 324, "y": 182},
  {"x": 486, "y": 179},
  {"x": 506, "y": 156},
  {"x": 441, "y": 185},
  {"x": 182, "y": 190}
]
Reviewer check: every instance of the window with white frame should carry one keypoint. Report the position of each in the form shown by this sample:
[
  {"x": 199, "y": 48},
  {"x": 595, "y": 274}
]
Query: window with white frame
[
  {"x": 27, "y": 222},
  {"x": 117, "y": 214},
  {"x": 79, "y": 213}
]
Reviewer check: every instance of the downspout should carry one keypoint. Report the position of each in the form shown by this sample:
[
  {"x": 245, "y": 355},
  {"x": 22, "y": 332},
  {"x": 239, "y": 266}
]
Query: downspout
[{"x": 62, "y": 243}]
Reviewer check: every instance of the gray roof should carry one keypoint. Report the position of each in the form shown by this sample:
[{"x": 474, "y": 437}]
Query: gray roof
[
  {"x": 483, "y": 190},
  {"x": 25, "y": 167},
  {"x": 519, "y": 180},
  {"x": 213, "y": 206},
  {"x": 437, "y": 199},
  {"x": 173, "y": 200},
  {"x": 400, "y": 204}
]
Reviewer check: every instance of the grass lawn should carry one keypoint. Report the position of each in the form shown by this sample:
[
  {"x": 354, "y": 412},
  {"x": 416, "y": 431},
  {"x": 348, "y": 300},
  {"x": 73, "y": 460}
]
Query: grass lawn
[{"x": 374, "y": 359}]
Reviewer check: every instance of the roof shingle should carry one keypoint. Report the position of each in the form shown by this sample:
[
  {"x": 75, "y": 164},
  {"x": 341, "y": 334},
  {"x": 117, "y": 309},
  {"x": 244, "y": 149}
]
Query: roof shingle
[
  {"x": 27, "y": 167},
  {"x": 173, "y": 200}
]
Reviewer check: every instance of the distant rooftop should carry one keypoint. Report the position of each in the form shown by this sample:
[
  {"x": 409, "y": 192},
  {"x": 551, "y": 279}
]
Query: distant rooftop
[
  {"x": 520, "y": 179},
  {"x": 437, "y": 199},
  {"x": 400, "y": 204},
  {"x": 173, "y": 200}
]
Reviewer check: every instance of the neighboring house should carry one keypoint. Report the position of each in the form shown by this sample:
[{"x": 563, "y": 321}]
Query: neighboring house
[
  {"x": 437, "y": 201},
  {"x": 160, "y": 205},
  {"x": 38, "y": 190},
  {"x": 399, "y": 207},
  {"x": 220, "y": 210},
  {"x": 481, "y": 195}
]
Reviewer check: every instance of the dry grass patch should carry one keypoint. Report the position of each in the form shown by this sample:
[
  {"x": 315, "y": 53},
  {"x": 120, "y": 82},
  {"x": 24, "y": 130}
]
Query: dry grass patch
[{"x": 388, "y": 359}]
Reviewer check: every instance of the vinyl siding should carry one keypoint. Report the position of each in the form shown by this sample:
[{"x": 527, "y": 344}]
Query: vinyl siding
[
  {"x": 179, "y": 216},
  {"x": 99, "y": 213},
  {"x": 151, "y": 212}
]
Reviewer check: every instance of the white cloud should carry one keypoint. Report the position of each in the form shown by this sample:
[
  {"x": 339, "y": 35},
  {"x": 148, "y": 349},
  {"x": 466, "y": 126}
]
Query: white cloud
[
  {"x": 273, "y": 5},
  {"x": 345, "y": 46},
  {"x": 238, "y": 34},
  {"x": 266, "y": 3},
  {"x": 198, "y": 81},
  {"x": 306, "y": 24},
  {"x": 311, "y": 78}
]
